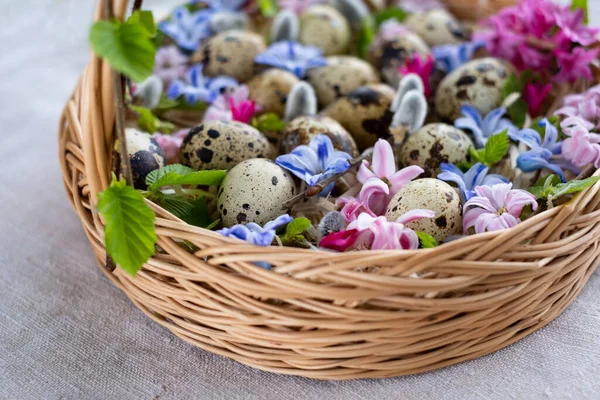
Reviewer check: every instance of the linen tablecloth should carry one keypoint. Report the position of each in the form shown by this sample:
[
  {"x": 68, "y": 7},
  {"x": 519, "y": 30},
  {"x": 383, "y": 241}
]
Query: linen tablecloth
[{"x": 67, "y": 333}]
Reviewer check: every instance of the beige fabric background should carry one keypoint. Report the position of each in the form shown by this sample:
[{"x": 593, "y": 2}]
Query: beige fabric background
[{"x": 67, "y": 333}]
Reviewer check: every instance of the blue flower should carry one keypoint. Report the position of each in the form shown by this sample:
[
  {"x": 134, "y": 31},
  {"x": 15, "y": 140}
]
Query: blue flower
[
  {"x": 254, "y": 234},
  {"x": 224, "y": 5},
  {"x": 187, "y": 29},
  {"x": 293, "y": 57},
  {"x": 452, "y": 56},
  {"x": 199, "y": 88},
  {"x": 543, "y": 154},
  {"x": 483, "y": 128},
  {"x": 477, "y": 175},
  {"x": 315, "y": 162}
]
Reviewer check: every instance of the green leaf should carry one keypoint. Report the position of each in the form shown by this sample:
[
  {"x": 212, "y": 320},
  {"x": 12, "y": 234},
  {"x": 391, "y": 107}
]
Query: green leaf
[
  {"x": 178, "y": 206},
  {"x": 127, "y": 46},
  {"x": 297, "y": 227},
  {"x": 149, "y": 122},
  {"x": 367, "y": 34},
  {"x": 269, "y": 122},
  {"x": 390, "y": 13},
  {"x": 427, "y": 241},
  {"x": 129, "y": 234},
  {"x": 583, "y": 4},
  {"x": 268, "y": 8},
  {"x": 165, "y": 104},
  {"x": 199, "y": 215},
  {"x": 177, "y": 174},
  {"x": 517, "y": 111},
  {"x": 551, "y": 189},
  {"x": 494, "y": 151}
]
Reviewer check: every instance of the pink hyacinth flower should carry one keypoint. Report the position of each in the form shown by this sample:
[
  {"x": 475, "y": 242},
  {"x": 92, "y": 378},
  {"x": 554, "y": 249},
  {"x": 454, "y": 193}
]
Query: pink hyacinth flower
[
  {"x": 298, "y": 6},
  {"x": 171, "y": 144},
  {"x": 423, "y": 67},
  {"x": 575, "y": 64},
  {"x": 582, "y": 147},
  {"x": 534, "y": 95},
  {"x": 340, "y": 241},
  {"x": 372, "y": 199},
  {"x": 495, "y": 208},
  {"x": 233, "y": 106},
  {"x": 170, "y": 64}
]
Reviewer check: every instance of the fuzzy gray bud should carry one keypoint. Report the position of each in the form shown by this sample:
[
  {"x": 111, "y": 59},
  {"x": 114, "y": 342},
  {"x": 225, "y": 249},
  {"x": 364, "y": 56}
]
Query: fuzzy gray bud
[
  {"x": 409, "y": 82},
  {"x": 332, "y": 222},
  {"x": 355, "y": 11},
  {"x": 227, "y": 21},
  {"x": 302, "y": 100},
  {"x": 149, "y": 91},
  {"x": 412, "y": 112},
  {"x": 285, "y": 26}
]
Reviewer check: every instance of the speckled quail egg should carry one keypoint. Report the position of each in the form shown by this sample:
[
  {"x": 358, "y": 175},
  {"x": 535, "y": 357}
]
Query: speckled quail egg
[
  {"x": 270, "y": 90},
  {"x": 434, "y": 144},
  {"x": 429, "y": 194},
  {"x": 387, "y": 55},
  {"x": 325, "y": 27},
  {"x": 301, "y": 130},
  {"x": 145, "y": 155},
  {"x": 230, "y": 53},
  {"x": 222, "y": 145},
  {"x": 436, "y": 27},
  {"x": 479, "y": 82},
  {"x": 254, "y": 191},
  {"x": 342, "y": 75},
  {"x": 365, "y": 113}
]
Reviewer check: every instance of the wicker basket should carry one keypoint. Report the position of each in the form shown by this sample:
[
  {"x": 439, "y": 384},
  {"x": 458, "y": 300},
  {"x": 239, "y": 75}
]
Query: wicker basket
[{"x": 316, "y": 314}]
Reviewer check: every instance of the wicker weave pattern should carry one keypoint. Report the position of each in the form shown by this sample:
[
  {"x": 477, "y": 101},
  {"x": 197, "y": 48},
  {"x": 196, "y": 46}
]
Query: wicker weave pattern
[{"x": 316, "y": 314}]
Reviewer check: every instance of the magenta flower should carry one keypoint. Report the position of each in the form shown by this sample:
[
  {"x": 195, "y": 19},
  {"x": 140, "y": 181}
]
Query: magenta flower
[
  {"x": 534, "y": 95},
  {"x": 572, "y": 27},
  {"x": 495, "y": 208},
  {"x": 582, "y": 147},
  {"x": 585, "y": 105},
  {"x": 298, "y": 6},
  {"x": 373, "y": 199},
  {"x": 377, "y": 233},
  {"x": 423, "y": 67},
  {"x": 242, "y": 111},
  {"x": 170, "y": 64},
  {"x": 171, "y": 144},
  {"x": 232, "y": 106},
  {"x": 575, "y": 64}
]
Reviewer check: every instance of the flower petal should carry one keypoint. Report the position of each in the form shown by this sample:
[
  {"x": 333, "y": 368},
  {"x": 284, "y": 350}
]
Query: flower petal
[
  {"x": 403, "y": 177},
  {"x": 384, "y": 164},
  {"x": 414, "y": 215},
  {"x": 277, "y": 222}
]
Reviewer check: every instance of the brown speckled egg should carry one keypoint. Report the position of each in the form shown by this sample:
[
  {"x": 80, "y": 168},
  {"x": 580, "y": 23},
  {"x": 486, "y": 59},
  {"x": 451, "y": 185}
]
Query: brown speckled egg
[
  {"x": 254, "y": 191},
  {"x": 479, "y": 82},
  {"x": 230, "y": 53},
  {"x": 365, "y": 113},
  {"x": 145, "y": 155},
  {"x": 436, "y": 27},
  {"x": 271, "y": 88},
  {"x": 222, "y": 145},
  {"x": 301, "y": 130},
  {"x": 325, "y": 27},
  {"x": 434, "y": 144},
  {"x": 342, "y": 75},
  {"x": 429, "y": 194},
  {"x": 388, "y": 55}
]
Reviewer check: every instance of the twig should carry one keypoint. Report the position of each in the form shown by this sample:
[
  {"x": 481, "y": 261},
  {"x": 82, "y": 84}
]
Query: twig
[
  {"x": 137, "y": 4},
  {"x": 319, "y": 187}
]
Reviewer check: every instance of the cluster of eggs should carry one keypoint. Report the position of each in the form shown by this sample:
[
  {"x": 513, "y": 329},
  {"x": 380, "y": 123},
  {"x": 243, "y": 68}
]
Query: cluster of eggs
[{"x": 355, "y": 99}]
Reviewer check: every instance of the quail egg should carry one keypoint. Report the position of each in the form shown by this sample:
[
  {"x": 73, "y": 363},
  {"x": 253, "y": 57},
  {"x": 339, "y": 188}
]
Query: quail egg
[
  {"x": 365, "y": 113},
  {"x": 479, "y": 82},
  {"x": 254, "y": 191},
  {"x": 340, "y": 76},
  {"x": 271, "y": 88},
  {"x": 222, "y": 145},
  {"x": 325, "y": 27},
  {"x": 387, "y": 55},
  {"x": 429, "y": 194},
  {"x": 436, "y": 27},
  {"x": 145, "y": 155},
  {"x": 434, "y": 144},
  {"x": 230, "y": 53},
  {"x": 301, "y": 130}
]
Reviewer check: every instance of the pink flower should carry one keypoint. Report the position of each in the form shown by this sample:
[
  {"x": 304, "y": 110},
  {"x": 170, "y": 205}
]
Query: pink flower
[
  {"x": 575, "y": 64},
  {"x": 170, "y": 64},
  {"x": 372, "y": 199},
  {"x": 232, "y": 106},
  {"x": 585, "y": 105},
  {"x": 390, "y": 30},
  {"x": 422, "y": 67},
  {"x": 582, "y": 147},
  {"x": 171, "y": 144},
  {"x": 495, "y": 208},
  {"x": 377, "y": 233},
  {"x": 572, "y": 27},
  {"x": 298, "y": 6},
  {"x": 534, "y": 95}
]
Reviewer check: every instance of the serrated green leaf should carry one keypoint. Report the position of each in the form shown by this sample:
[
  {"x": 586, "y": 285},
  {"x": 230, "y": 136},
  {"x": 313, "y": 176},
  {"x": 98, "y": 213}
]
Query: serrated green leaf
[
  {"x": 297, "y": 227},
  {"x": 178, "y": 206},
  {"x": 517, "y": 111},
  {"x": 155, "y": 175},
  {"x": 165, "y": 104},
  {"x": 128, "y": 46},
  {"x": 537, "y": 191},
  {"x": 574, "y": 186},
  {"x": 268, "y": 8},
  {"x": 196, "y": 178},
  {"x": 367, "y": 34},
  {"x": 129, "y": 233},
  {"x": 582, "y": 4},
  {"x": 199, "y": 215},
  {"x": 269, "y": 122},
  {"x": 145, "y": 19},
  {"x": 390, "y": 13},
  {"x": 496, "y": 148},
  {"x": 427, "y": 241},
  {"x": 149, "y": 122}
]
